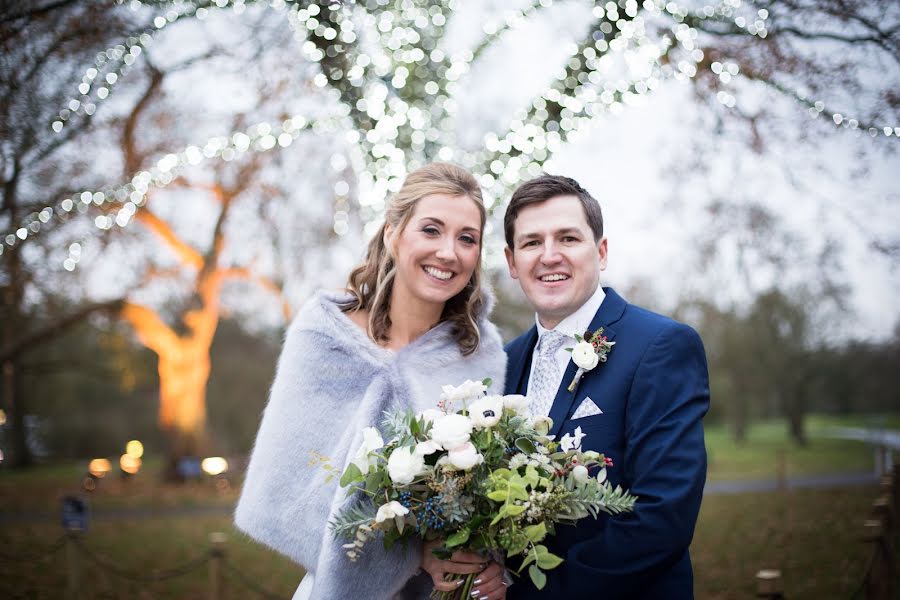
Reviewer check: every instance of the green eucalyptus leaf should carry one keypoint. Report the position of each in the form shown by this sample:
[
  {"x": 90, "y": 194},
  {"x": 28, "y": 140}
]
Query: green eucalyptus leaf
[
  {"x": 536, "y": 533},
  {"x": 548, "y": 561},
  {"x": 457, "y": 539},
  {"x": 537, "y": 577},
  {"x": 525, "y": 445},
  {"x": 351, "y": 475}
]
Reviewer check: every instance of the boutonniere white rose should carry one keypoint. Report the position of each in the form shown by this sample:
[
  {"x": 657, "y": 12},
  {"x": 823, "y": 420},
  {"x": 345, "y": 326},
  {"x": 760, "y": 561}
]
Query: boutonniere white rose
[{"x": 590, "y": 351}]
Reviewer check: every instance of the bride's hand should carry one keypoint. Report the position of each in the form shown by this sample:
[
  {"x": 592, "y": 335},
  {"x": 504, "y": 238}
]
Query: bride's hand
[{"x": 490, "y": 580}]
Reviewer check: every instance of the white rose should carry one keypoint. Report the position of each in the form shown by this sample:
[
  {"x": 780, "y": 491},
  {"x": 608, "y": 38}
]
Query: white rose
[
  {"x": 486, "y": 411},
  {"x": 427, "y": 447},
  {"x": 451, "y": 431},
  {"x": 389, "y": 511},
  {"x": 404, "y": 465},
  {"x": 585, "y": 356},
  {"x": 468, "y": 390},
  {"x": 516, "y": 403},
  {"x": 580, "y": 473},
  {"x": 371, "y": 441},
  {"x": 464, "y": 457},
  {"x": 428, "y": 416}
]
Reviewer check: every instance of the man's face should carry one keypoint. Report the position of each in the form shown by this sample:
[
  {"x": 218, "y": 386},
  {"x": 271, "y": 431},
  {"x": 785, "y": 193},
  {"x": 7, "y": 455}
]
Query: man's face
[{"x": 555, "y": 258}]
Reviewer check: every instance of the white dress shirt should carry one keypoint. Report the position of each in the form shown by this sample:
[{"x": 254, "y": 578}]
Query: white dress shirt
[{"x": 577, "y": 322}]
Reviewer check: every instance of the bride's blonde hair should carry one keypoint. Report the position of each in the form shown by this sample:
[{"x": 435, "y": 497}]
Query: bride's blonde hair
[{"x": 371, "y": 282}]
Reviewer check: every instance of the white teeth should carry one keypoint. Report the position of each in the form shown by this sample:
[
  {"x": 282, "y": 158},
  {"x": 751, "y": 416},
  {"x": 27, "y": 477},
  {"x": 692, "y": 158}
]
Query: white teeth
[
  {"x": 438, "y": 273},
  {"x": 554, "y": 277}
]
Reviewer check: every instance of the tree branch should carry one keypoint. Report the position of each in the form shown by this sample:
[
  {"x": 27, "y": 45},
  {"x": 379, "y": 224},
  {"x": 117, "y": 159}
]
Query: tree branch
[
  {"x": 150, "y": 328},
  {"x": 186, "y": 253},
  {"x": 54, "y": 329}
]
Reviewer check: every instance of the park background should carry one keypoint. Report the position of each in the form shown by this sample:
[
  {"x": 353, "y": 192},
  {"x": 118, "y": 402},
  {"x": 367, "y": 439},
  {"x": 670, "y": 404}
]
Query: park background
[{"x": 179, "y": 176}]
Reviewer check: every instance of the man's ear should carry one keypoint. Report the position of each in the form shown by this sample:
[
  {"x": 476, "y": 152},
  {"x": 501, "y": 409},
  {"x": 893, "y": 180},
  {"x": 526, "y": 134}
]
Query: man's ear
[
  {"x": 511, "y": 262},
  {"x": 603, "y": 249}
]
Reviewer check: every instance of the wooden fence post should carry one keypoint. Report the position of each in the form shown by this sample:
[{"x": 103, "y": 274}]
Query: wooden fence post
[
  {"x": 878, "y": 579},
  {"x": 895, "y": 491},
  {"x": 73, "y": 568},
  {"x": 769, "y": 585},
  {"x": 216, "y": 556}
]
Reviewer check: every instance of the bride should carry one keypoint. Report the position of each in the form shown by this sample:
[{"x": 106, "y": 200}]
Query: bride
[{"x": 413, "y": 318}]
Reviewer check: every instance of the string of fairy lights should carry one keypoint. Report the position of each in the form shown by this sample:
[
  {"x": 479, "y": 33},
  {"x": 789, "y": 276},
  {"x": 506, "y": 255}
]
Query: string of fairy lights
[{"x": 393, "y": 89}]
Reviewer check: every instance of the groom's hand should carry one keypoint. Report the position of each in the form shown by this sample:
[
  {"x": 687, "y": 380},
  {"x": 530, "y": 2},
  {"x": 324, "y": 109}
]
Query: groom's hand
[{"x": 463, "y": 563}]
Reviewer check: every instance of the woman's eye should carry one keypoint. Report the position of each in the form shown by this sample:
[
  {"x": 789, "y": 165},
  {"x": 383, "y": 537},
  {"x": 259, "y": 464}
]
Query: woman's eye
[
  {"x": 468, "y": 239},
  {"x": 431, "y": 230}
]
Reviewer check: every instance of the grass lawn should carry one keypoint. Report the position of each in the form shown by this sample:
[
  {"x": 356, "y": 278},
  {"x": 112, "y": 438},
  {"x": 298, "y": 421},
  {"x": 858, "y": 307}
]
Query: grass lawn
[
  {"x": 811, "y": 535},
  {"x": 139, "y": 547},
  {"x": 756, "y": 457}
]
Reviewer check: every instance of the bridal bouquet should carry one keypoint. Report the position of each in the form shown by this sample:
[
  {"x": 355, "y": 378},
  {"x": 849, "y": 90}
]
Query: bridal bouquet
[{"x": 477, "y": 473}]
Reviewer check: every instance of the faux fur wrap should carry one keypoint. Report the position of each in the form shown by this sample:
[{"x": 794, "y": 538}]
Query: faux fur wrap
[{"x": 331, "y": 382}]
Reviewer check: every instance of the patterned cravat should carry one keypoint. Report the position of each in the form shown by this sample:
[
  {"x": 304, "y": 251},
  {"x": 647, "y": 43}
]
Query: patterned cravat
[{"x": 545, "y": 378}]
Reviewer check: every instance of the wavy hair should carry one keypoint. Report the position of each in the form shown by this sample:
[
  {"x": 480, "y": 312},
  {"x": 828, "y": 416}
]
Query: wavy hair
[{"x": 372, "y": 282}]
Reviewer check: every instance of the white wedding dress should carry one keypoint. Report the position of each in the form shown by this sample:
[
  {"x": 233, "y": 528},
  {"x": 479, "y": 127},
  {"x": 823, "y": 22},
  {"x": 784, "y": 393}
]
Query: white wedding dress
[{"x": 304, "y": 590}]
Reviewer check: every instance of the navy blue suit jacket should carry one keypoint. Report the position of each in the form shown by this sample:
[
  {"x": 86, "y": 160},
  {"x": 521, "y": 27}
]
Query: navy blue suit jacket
[{"x": 653, "y": 391}]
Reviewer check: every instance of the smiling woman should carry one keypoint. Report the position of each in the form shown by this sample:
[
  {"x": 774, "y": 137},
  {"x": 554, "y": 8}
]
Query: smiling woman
[
  {"x": 414, "y": 317},
  {"x": 424, "y": 262}
]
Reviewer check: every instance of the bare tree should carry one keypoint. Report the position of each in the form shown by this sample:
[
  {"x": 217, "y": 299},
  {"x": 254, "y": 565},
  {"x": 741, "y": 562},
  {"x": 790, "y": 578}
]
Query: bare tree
[{"x": 42, "y": 48}]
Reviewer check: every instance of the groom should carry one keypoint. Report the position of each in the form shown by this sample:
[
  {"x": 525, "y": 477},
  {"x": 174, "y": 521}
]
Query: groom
[{"x": 642, "y": 407}]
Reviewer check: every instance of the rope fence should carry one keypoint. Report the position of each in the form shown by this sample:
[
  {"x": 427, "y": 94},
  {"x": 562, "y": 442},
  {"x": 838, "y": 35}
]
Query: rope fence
[
  {"x": 79, "y": 555},
  {"x": 38, "y": 555}
]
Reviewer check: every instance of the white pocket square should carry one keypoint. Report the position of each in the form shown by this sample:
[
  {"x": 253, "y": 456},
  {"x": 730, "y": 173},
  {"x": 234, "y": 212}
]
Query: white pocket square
[{"x": 587, "y": 408}]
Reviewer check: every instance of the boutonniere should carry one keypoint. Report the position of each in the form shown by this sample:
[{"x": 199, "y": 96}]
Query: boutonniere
[{"x": 590, "y": 351}]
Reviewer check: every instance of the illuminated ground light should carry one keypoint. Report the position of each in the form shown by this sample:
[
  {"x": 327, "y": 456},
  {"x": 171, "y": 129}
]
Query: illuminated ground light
[
  {"x": 214, "y": 465},
  {"x": 99, "y": 467},
  {"x": 134, "y": 448},
  {"x": 129, "y": 464},
  {"x": 2, "y": 417}
]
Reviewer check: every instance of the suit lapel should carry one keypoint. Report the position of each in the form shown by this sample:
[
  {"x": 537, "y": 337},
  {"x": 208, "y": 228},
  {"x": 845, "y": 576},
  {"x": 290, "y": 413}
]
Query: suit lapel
[
  {"x": 610, "y": 311},
  {"x": 520, "y": 362}
]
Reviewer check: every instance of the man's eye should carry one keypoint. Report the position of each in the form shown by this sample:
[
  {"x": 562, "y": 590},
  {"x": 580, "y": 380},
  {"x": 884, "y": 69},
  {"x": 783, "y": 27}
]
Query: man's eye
[
  {"x": 530, "y": 243},
  {"x": 570, "y": 238}
]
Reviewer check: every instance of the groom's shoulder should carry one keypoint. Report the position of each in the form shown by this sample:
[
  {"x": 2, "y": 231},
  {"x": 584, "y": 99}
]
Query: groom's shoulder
[{"x": 651, "y": 325}]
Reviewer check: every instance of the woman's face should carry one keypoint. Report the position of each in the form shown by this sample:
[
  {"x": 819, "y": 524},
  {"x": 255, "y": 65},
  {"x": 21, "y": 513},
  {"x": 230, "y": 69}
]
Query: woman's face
[{"x": 438, "y": 250}]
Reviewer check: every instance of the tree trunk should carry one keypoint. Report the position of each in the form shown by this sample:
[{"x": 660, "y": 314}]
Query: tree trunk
[
  {"x": 17, "y": 447},
  {"x": 183, "y": 375},
  {"x": 14, "y": 400},
  {"x": 794, "y": 409}
]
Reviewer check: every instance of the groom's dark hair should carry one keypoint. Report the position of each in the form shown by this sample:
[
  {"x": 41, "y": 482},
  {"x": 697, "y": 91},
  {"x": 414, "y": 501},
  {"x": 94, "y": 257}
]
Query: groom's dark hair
[{"x": 539, "y": 190}]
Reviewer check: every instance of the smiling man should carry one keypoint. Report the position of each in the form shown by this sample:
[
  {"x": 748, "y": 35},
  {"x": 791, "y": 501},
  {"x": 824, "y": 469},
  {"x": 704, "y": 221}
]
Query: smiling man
[{"x": 643, "y": 406}]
